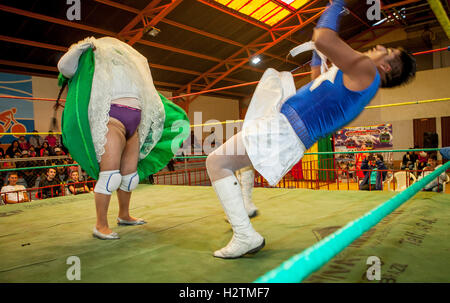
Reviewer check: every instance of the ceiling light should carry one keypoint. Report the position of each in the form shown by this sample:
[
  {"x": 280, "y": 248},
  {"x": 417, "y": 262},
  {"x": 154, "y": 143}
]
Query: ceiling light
[
  {"x": 152, "y": 31},
  {"x": 256, "y": 60}
]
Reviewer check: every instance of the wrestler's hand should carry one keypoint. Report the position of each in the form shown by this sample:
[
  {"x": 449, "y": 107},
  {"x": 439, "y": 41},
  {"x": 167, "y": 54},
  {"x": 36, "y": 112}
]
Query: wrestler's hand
[
  {"x": 68, "y": 64},
  {"x": 331, "y": 17},
  {"x": 85, "y": 46}
]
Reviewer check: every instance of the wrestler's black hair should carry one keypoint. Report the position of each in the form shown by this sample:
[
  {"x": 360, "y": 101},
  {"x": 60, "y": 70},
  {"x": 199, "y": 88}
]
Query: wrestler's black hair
[
  {"x": 54, "y": 121},
  {"x": 403, "y": 70}
]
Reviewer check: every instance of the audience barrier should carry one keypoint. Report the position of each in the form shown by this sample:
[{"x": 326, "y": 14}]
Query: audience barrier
[{"x": 306, "y": 174}]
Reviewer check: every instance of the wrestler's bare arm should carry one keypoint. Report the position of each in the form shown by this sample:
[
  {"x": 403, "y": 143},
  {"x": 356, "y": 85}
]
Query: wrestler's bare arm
[
  {"x": 355, "y": 65},
  {"x": 315, "y": 72}
]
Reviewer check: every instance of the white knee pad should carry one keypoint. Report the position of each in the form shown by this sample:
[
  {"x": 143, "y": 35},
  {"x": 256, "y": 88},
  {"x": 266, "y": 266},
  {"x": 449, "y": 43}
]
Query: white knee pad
[
  {"x": 108, "y": 181},
  {"x": 129, "y": 182}
]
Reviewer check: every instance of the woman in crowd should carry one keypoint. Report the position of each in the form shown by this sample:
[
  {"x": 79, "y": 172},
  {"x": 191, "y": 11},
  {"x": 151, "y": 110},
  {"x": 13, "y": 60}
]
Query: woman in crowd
[
  {"x": 13, "y": 148},
  {"x": 45, "y": 147}
]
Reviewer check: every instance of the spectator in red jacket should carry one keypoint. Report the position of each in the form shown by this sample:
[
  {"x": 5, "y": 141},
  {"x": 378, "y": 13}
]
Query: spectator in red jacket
[
  {"x": 23, "y": 143},
  {"x": 51, "y": 139}
]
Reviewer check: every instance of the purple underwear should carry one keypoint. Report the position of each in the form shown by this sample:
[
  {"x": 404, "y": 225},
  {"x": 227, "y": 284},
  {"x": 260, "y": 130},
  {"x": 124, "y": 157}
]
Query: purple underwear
[{"x": 129, "y": 116}]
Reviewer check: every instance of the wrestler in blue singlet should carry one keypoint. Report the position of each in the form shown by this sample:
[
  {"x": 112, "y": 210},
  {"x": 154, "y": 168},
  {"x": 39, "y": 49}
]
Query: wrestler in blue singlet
[{"x": 325, "y": 105}]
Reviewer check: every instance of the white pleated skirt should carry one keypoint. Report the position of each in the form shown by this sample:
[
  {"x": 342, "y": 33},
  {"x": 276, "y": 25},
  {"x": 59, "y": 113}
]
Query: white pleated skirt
[{"x": 269, "y": 139}]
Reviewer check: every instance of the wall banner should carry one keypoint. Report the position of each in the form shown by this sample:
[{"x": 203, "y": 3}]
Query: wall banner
[
  {"x": 16, "y": 116},
  {"x": 374, "y": 137}
]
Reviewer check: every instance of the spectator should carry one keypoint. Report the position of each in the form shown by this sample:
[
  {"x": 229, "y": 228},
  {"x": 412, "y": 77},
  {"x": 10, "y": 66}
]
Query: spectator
[
  {"x": 89, "y": 180},
  {"x": 437, "y": 184},
  {"x": 18, "y": 154},
  {"x": 40, "y": 163},
  {"x": 422, "y": 157},
  {"x": 408, "y": 161},
  {"x": 51, "y": 139},
  {"x": 8, "y": 165},
  {"x": 20, "y": 164},
  {"x": 374, "y": 174},
  {"x": 75, "y": 187},
  {"x": 58, "y": 151},
  {"x": 32, "y": 151},
  {"x": 2, "y": 174},
  {"x": 171, "y": 165},
  {"x": 47, "y": 181},
  {"x": 195, "y": 145},
  {"x": 359, "y": 158},
  {"x": 23, "y": 155},
  {"x": 14, "y": 193},
  {"x": 23, "y": 143},
  {"x": 74, "y": 167},
  {"x": 211, "y": 139},
  {"x": 61, "y": 144},
  {"x": 45, "y": 149},
  {"x": 29, "y": 175},
  {"x": 36, "y": 141},
  {"x": 61, "y": 174},
  {"x": 13, "y": 148}
]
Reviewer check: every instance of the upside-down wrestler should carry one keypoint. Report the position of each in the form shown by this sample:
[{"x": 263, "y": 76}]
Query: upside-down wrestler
[{"x": 281, "y": 124}]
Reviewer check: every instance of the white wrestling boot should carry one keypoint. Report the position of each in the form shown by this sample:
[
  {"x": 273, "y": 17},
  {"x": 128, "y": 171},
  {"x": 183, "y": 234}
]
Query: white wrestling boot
[
  {"x": 245, "y": 239},
  {"x": 246, "y": 178}
]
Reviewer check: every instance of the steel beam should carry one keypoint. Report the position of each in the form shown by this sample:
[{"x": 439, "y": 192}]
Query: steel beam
[
  {"x": 54, "y": 69},
  {"x": 195, "y": 30},
  {"x": 154, "y": 20},
  {"x": 235, "y": 62},
  {"x": 29, "y": 65},
  {"x": 64, "y": 49},
  {"x": 401, "y": 3},
  {"x": 111, "y": 34}
]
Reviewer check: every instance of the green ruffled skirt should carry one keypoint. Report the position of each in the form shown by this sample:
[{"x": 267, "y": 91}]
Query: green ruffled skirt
[{"x": 76, "y": 131}]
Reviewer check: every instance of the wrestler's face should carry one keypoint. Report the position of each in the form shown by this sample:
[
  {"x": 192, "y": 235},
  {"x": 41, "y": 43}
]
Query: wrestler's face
[{"x": 382, "y": 57}]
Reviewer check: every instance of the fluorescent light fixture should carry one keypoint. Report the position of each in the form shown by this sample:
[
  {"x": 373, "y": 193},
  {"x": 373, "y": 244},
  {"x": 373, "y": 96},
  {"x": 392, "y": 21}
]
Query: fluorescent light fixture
[
  {"x": 256, "y": 60},
  {"x": 379, "y": 22}
]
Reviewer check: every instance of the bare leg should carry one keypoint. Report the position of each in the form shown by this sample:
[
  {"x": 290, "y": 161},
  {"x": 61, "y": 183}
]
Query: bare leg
[
  {"x": 227, "y": 159},
  {"x": 128, "y": 165},
  {"x": 110, "y": 161}
]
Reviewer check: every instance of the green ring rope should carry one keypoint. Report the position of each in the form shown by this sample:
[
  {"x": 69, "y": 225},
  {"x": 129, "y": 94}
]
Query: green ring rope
[
  {"x": 36, "y": 167},
  {"x": 313, "y": 258}
]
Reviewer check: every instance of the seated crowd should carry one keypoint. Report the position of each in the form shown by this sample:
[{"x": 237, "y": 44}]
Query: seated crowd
[
  {"x": 421, "y": 164},
  {"x": 66, "y": 180},
  {"x": 52, "y": 182}
]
